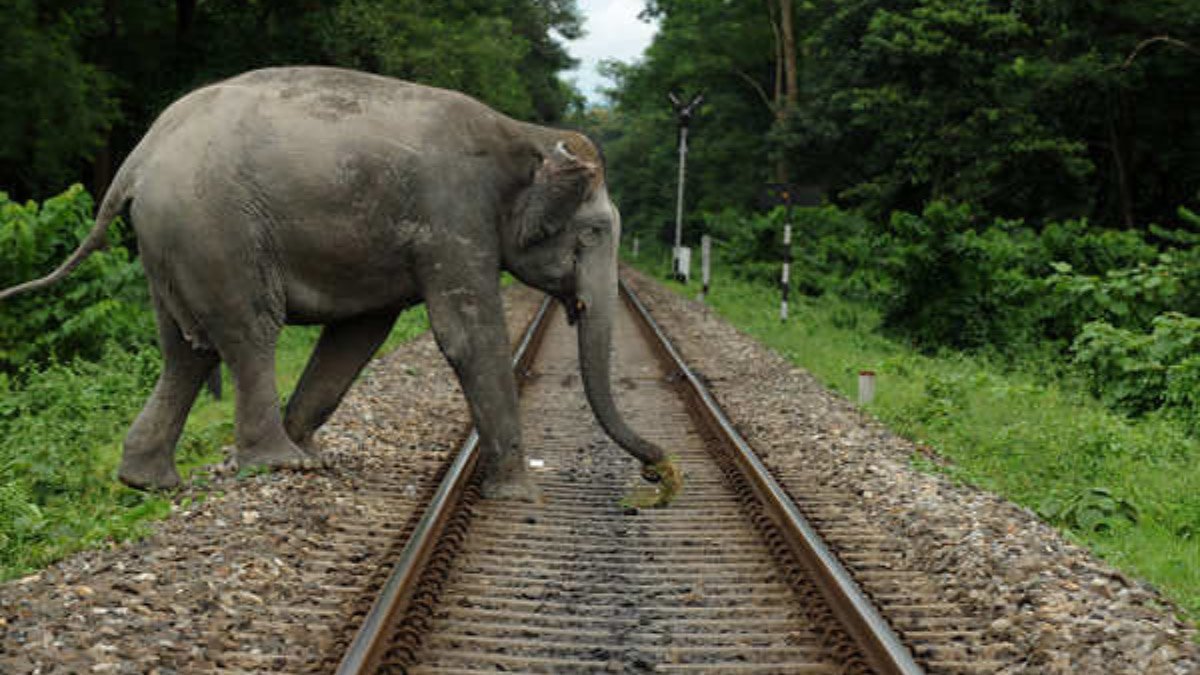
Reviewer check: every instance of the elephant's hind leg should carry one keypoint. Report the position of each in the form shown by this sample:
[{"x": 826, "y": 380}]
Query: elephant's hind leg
[
  {"x": 149, "y": 457},
  {"x": 340, "y": 354},
  {"x": 250, "y": 352}
]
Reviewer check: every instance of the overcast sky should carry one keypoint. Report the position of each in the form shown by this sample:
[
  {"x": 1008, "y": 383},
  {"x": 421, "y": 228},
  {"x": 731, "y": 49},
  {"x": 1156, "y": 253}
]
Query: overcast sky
[{"x": 613, "y": 32}]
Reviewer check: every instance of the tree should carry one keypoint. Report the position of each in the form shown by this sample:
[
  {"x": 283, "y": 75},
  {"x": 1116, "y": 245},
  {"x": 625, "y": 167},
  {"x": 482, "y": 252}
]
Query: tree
[
  {"x": 1025, "y": 109},
  {"x": 55, "y": 108},
  {"x": 85, "y": 80},
  {"x": 711, "y": 46}
]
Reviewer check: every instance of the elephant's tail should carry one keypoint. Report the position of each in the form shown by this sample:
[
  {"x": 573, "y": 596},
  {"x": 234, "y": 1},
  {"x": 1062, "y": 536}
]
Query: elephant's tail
[{"x": 114, "y": 202}]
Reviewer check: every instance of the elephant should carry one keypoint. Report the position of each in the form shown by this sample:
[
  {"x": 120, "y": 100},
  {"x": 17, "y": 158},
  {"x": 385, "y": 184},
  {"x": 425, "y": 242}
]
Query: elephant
[{"x": 314, "y": 195}]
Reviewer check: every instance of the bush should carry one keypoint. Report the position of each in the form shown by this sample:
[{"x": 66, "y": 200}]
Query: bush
[
  {"x": 1092, "y": 250},
  {"x": 957, "y": 283},
  {"x": 104, "y": 300},
  {"x": 1111, "y": 301},
  {"x": 751, "y": 246},
  {"x": 1137, "y": 372},
  {"x": 56, "y": 478},
  {"x": 833, "y": 250}
]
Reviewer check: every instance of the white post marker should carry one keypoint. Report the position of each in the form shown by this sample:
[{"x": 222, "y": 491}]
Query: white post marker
[
  {"x": 866, "y": 386},
  {"x": 684, "y": 264},
  {"x": 787, "y": 263},
  {"x": 705, "y": 256}
]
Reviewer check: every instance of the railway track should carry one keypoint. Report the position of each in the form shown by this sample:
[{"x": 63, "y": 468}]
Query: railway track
[{"x": 729, "y": 578}]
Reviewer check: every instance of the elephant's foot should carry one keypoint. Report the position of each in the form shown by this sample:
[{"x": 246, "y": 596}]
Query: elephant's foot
[
  {"x": 309, "y": 446},
  {"x": 148, "y": 471},
  {"x": 514, "y": 485},
  {"x": 284, "y": 455}
]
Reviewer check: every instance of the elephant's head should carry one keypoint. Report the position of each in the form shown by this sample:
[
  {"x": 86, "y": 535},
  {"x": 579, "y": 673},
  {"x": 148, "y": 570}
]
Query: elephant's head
[{"x": 562, "y": 238}]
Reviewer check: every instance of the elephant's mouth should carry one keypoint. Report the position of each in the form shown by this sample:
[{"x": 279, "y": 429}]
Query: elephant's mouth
[{"x": 574, "y": 307}]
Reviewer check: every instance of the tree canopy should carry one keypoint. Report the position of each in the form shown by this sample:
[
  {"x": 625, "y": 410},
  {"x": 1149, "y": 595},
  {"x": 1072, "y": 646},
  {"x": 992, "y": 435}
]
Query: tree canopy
[
  {"x": 1034, "y": 109},
  {"x": 83, "y": 81}
]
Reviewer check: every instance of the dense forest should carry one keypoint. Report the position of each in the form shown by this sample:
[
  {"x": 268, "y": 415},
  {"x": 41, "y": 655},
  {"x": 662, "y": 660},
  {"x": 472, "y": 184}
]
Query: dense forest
[
  {"x": 1032, "y": 109},
  {"x": 83, "y": 80},
  {"x": 1016, "y": 182}
]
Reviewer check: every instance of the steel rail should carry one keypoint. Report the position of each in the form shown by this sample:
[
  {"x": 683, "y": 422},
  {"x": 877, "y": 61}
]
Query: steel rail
[
  {"x": 884, "y": 651},
  {"x": 363, "y": 654}
]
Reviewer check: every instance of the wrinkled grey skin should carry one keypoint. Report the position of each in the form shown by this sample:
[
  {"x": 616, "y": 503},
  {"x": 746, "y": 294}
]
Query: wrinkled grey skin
[{"x": 325, "y": 196}]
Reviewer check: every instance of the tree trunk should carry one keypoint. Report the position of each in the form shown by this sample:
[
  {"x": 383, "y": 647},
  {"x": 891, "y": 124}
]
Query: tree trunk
[
  {"x": 787, "y": 89},
  {"x": 791, "y": 80},
  {"x": 102, "y": 169},
  {"x": 1121, "y": 165},
  {"x": 185, "y": 13},
  {"x": 102, "y": 162}
]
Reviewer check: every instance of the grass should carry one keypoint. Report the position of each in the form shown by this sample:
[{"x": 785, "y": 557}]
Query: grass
[
  {"x": 60, "y": 443},
  {"x": 1127, "y": 488}
]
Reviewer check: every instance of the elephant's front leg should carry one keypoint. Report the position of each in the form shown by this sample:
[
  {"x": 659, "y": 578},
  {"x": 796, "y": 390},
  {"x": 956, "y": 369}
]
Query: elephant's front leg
[{"x": 468, "y": 323}]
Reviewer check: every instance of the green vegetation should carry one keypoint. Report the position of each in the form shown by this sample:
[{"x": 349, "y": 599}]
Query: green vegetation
[
  {"x": 84, "y": 80},
  {"x": 1117, "y": 306},
  {"x": 1032, "y": 109},
  {"x": 105, "y": 296},
  {"x": 1128, "y": 488}
]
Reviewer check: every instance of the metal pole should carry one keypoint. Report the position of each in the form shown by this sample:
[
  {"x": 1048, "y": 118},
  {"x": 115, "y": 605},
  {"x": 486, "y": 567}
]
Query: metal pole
[
  {"x": 683, "y": 116},
  {"x": 683, "y": 130},
  {"x": 705, "y": 256}
]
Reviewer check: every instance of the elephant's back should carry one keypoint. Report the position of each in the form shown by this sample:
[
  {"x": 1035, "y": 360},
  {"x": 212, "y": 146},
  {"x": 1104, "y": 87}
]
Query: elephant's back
[
  {"x": 336, "y": 99},
  {"x": 275, "y": 118}
]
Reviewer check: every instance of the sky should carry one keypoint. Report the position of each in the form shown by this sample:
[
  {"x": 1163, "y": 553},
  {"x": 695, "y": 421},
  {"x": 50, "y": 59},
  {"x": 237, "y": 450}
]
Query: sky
[{"x": 613, "y": 32}]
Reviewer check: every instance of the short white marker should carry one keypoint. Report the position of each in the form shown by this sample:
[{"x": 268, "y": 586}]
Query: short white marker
[
  {"x": 537, "y": 463},
  {"x": 866, "y": 386}
]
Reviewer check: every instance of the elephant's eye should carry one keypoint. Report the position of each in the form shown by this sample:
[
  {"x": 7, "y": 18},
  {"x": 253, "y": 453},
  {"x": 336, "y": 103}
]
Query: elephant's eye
[{"x": 591, "y": 235}]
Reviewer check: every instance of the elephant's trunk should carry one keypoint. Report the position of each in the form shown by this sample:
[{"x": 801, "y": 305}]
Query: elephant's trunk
[{"x": 597, "y": 298}]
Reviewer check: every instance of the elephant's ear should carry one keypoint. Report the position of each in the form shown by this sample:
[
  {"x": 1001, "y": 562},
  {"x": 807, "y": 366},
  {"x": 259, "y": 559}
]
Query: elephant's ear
[{"x": 559, "y": 186}]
